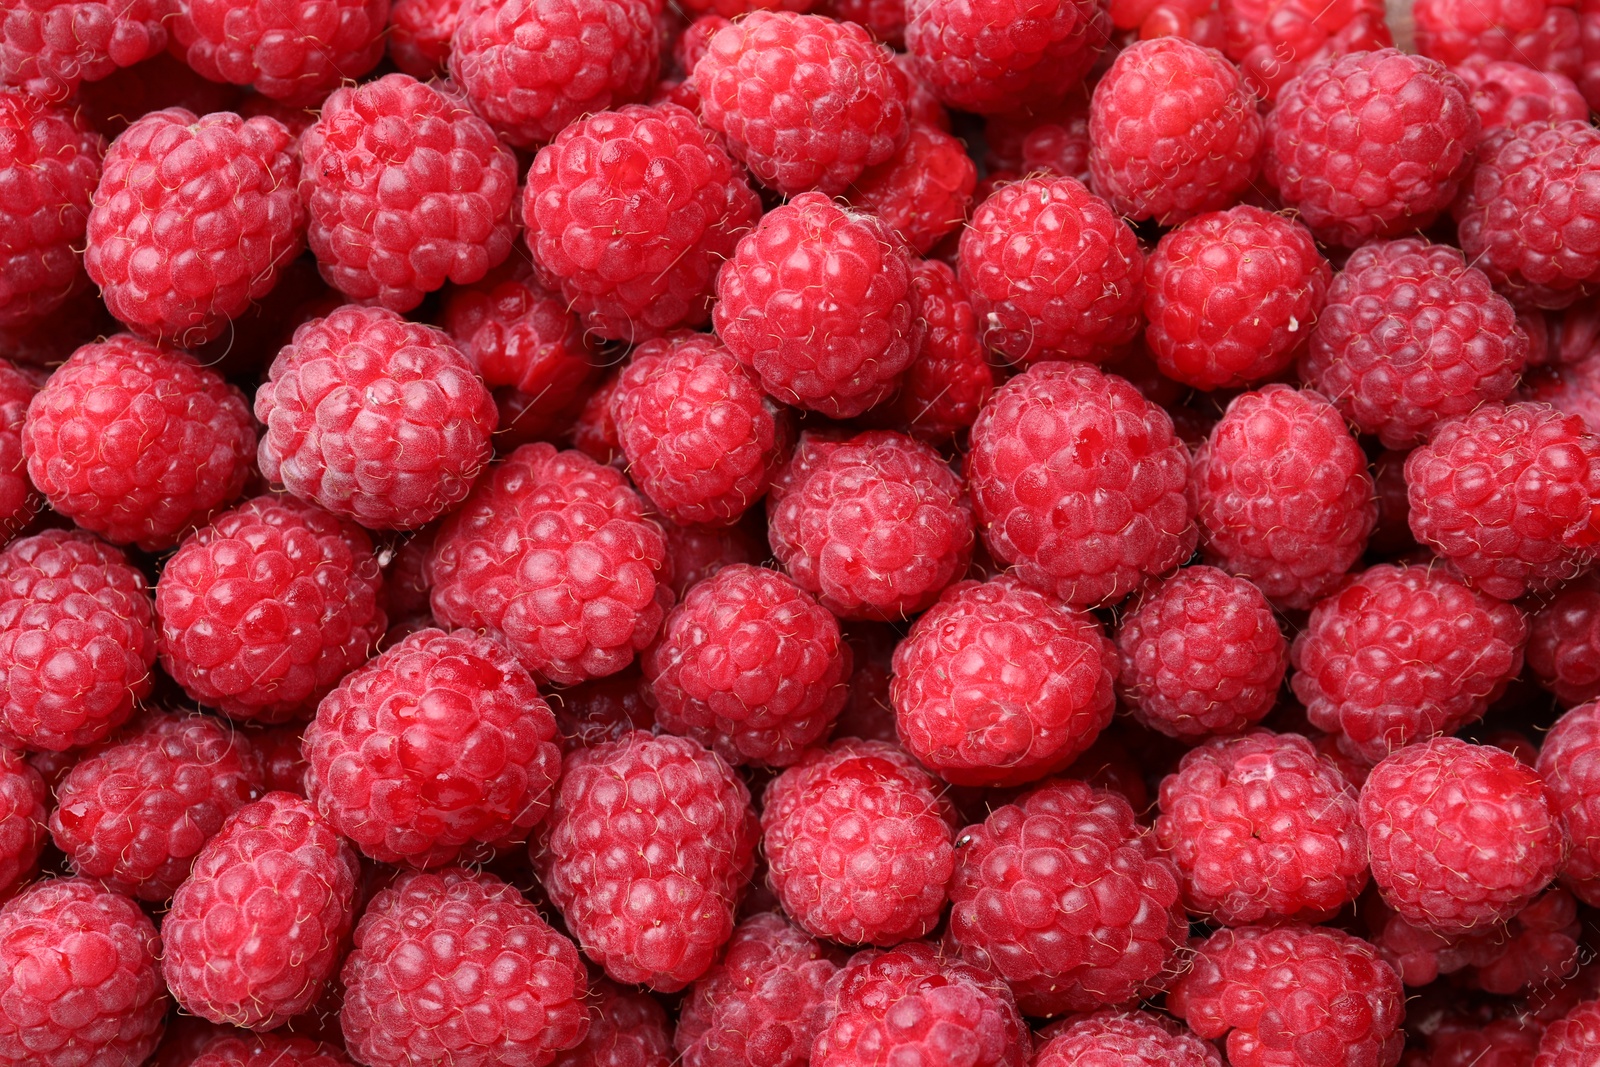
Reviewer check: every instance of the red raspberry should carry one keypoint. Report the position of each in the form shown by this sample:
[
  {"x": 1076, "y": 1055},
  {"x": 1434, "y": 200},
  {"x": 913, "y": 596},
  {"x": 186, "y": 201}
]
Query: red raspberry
[
  {"x": 868, "y": 713},
  {"x": 859, "y": 843},
  {"x": 838, "y": 356},
  {"x": 1283, "y": 494},
  {"x": 695, "y": 553},
  {"x": 648, "y": 845},
  {"x": 294, "y": 52},
  {"x": 530, "y": 67},
  {"x": 626, "y": 1029},
  {"x": 267, "y": 1050},
  {"x": 579, "y": 591},
  {"x": 1463, "y": 1043},
  {"x": 160, "y": 82},
  {"x": 518, "y": 333},
  {"x": 1274, "y": 40},
  {"x": 763, "y": 1004},
  {"x": 1517, "y": 220},
  {"x": 23, "y": 796},
  {"x": 884, "y": 19},
  {"x": 950, "y": 380},
  {"x": 1368, "y": 145},
  {"x": 974, "y": 58},
  {"x": 1569, "y": 763},
  {"x": 1508, "y": 94},
  {"x": 47, "y": 47},
  {"x": 455, "y": 967},
  {"x": 1232, "y": 296},
  {"x": 1573, "y": 1040},
  {"x": 263, "y": 611},
  {"x": 1057, "y": 143},
  {"x": 805, "y": 102},
  {"x": 1539, "y": 947},
  {"x": 419, "y": 35},
  {"x": 594, "y": 433},
  {"x": 1536, "y": 34},
  {"x": 283, "y": 766},
  {"x": 1123, "y": 1039},
  {"x": 633, "y": 241},
  {"x": 1079, "y": 482},
  {"x": 602, "y": 710},
  {"x": 1342, "y": 1008},
  {"x": 1588, "y": 76},
  {"x": 923, "y": 191},
  {"x": 80, "y": 978},
  {"x": 256, "y": 929},
  {"x": 1510, "y": 495},
  {"x": 19, "y": 500},
  {"x": 913, "y": 1005},
  {"x": 695, "y": 40},
  {"x": 1570, "y": 388},
  {"x": 137, "y": 443},
  {"x": 1052, "y": 272},
  {"x": 1564, "y": 641}
]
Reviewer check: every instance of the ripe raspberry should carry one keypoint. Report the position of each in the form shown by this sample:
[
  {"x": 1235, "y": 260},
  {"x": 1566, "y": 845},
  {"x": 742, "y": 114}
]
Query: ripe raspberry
[
  {"x": 531, "y": 67},
  {"x": 419, "y": 35},
  {"x": 47, "y": 47},
  {"x": 1463, "y": 1043},
  {"x": 1538, "y": 35},
  {"x": 1079, "y": 482},
  {"x": 838, "y": 356},
  {"x": 1570, "y": 388},
  {"x": 1368, "y": 145},
  {"x": 805, "y": 102},
  {"x": 1125, "y": 1039},
  {"x": 1343, "y": 1008},
  {"x": 294, "y": 52},
  {"x": 1052, "y": 272},
  {"x": 923, "y": 191},
  {"x": 136, "y": 442},
  {"x": 858, "y": 840},
  {"x": 263, "y": 611},
  {"x": 80, "y": 978},
  {"x": 1564, "y": 642},
  {"x": 1510, "y": 495},
  {"x": 256, "y": 929},
  {"x": 884, "y": 19},
  {"x": 1508, "y": 94},
  {"x": 950, "y": 380},
  {"x": 283, "y": 766},
  {"x": 19, "y": 500},
  {"x": 648, "y": 845},
  {"x": 1539, "y": 947},
  {"x": 868, "y": 714},
  {"x": 23, "y": 796},
  {"x": 626, "y": 1029},
  {"x": 1569, "y": 763},
  {"x": 1274, "y": 40},
  {"x": 602, "y": 710},
  {"x": 695, "y": 553},
  {"x": 455, "y": 967},
  {"x": 579, "y": 591},
  {"x": 267, "y": 1050},
  {"x": 974, "y": 58},
  {"x": 1056, "y": 144},
  {"x": 1573, "y": 1040}
]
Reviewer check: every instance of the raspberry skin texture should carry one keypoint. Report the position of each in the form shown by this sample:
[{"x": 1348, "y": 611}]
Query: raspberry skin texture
[
  {"x": 1064, "y": 895},
  {"x": 602, "y": 710},
  {"x": 77, "y": 640},
  {"x": 1569, "y": 763},
  {"x": 649, "y": 844},
  {"x": 1274, "y": 40},
  {"x": 1370, "y": 145},
  {"x": 49, "y": 47},
  {"x": 23, "y": 798},
  {"x": 1462, "y": 1043},
  {"x": 419, "y": 35},
  {"x": 530, "y": 67},
  {"x": 1509, "y": 495},
  {"x": 1123, "y": 1039},
  {"x": 1344, "y": 1008},
  {"x": 697, "y": 552},
  {"x": 19, "y": 500},
  {"x": 1563, "y": 651},
  {"x": 294, "y": 53},
  {"x": 626, "y": 1029},
  {"x": 1201, "y": 654},
  {"x": 1052, "y": 272},
  {"x": 629, "y": 215},
  {"x": 1460, "y": 835},
  {"x": 1079, "y": 482},
  {"x": 374, "y": 418},
  {"x": 924, "y": 191},
  {"x": 266, "y": 1050},
  {"x": 950, "y": 380},
  {"x": 803, "y": 101},
  {"x": 517, "y": 333},
  {"x": 1572, "y": 1040},
  {"x": 1539, "y": 36},
  {"x": 283, "y": 767},
  {"x": 262, "y": 612},
  {"x": 256, "y": 930},
  {"x": 577, "y": 589},
  {"x": 456, "y": 967},
  {"x": 405, "y": 189},
  {"x": 138, "y": 443},
  {"x": 1508, "y": 94},
  {"x": 838, "y": 355},
  {"x": 858, "y": 842}
]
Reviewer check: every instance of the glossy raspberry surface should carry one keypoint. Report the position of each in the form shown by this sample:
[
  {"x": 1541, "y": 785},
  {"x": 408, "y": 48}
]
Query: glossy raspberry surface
[
  {"x": 626, "y": 1029},
  {"x": 950, "y": 380},
  {"x": 1569, "y": 763},
  {"x": 49, "y": 47},
  {"x": 923, "y": 191},
  {"x": 1275, "y": 40},
  {"x": 1129, "y": 1038},
  {"x": 294, "y": 52},
  {"x": 24, "y": 795},
  {"x": 973, "y": 63}
]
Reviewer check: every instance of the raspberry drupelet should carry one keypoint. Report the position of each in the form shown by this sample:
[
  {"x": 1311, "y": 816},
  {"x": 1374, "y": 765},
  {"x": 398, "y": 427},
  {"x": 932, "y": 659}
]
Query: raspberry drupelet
[
  {"x": 419, "y": 35},
  {"x": 262, "y": 1050},
  {"x": 283, "y": 765},
  {"x": 1539, "y": 35},
  {"x": 627, "y": 1028},
  {"x": 924, "y": 191},
  {"x": 950, "y": 380},
  {"x": 1573, "y": 1040},
  {"x": 1564, "y": 641},
  {"x": 1508, "y": 94},
  {"x": 1459, "y": 1042},
  {"x": 291, "y": 52},
  {"x": 697, "y": 552},
  {"x": 1274, "y": 40},
  {"x": 1569, "y": 763},
  {"x": 602, "y": 710},
  {"x": 19, "y": 500},
  {"x": 973, "y": 59},
  {"x": 1124, "y": 1038},
  {"x": 519, "y": 334},
  {"x": 23, "y": 831},
  {"x": 49, "y": 47}
]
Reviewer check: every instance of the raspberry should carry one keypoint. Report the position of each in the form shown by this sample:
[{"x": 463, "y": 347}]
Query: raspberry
[
  {"x": 1516, "y": 218},
  {"x": 1509, "y": 495},
  {"x": 1274, "y": 40},
  {"x": 1564, "y": 642},
  {"x": 19, "y": 500},
  {"x": 1573, "y": 1040},
  {"x": 884, "y": 19},
  {"x": 79, "y": 977},
  {"x": 406, "y": 188},
  {"x": 256, "y": 929},
  {"x": 695, "y": 553},
  {"x": 136, "y": 442},
  {"x": 1538, "y": 35},
  {"x": 1079, "y": 481},
  {"x": 648, "y": 845},
  {"x": 630, "y": 213},
  {"x": 602, "y": 710},
  {"x": 1369, "y": 145},
  {"x": 975, "y": 59},
  {"x": 1461, "y": 1043},
  {"x": 531, "y": 67},
  {"x": 283, "y": 767},
  {"x": 374, "y": 418},
  {"x": 47, "y": 47},
  {"x": 1538, "y": 947},
  {"x": 859, "y": 843},
  {"x": 1342, "y": 1008},
  {"x": 594, "y": 433},
  {"x": 456, "y": 967},
  {"x": 763, "y": 1004},
  {"x": 1057, "y": 144},
  {"x": 923, "y": 191},
  {"x": 868, "y": 713},
  {"x": 1052, "y": 272},
  {"x": 1127, "y": 1039},
  {"x": 626, "y": 1029},
  {"x": 1569, "y": 763},
  {"x": 23, "y": 796},
  {"x": 49, "y": 166},
  {"x": 1508, "y": 94},
  {"x": 805, "y": 102},
  {"x": 263, "y": 611},
  {"x": 419, "y": 35},
  {"x": 950, "y": 380},
  {"x": 576, "y": 590},
  {"x": 1570, "y": 388},
  {"x": 838, "y": 356},
  {"x": 268, "y": 1050},
  {"x": 294, "y": 52}
]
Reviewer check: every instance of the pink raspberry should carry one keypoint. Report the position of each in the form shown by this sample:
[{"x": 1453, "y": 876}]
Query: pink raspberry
[
  {"x": 838, "y": 356},
  {"x": 263, "y": 611},
  {"x": 1573, "y": 1040},
  {"x": 1057, "y": 144},
  {"x": 626, "y": 1029},
  {"x": 283, "y": 766},
  {"x": 648, "y": 845},
  {"x": 1569, "y": 763},
  {"x": 1509, "y": 495},
  {"x": 578, "y": 589},
  {"x": 19, "y": 500},
  {"x": 805, "y": 102},
  {"x": 1123, "y": 1039},
  {"x": 950, "y": 380},
  {"x": 1570, "y": 388},
  {"x": 858, "y": 839},
  {"x": 257, "y": 928},
  {"x": 1369, "y": 145},
  {"x": 1462, "y": 1043},
  {"x": 517, "y": 333},
  {"x": 1564, "y": 641},
  {"x": 266, "y": 1050},
  {"x": 1538, "y": 947},
  {"x": 697, "y": 552},
  {"x": 23, "y": 798},
  {"x": 1508, "y": 94},
  {"x": 633, "y": 241},
  {"x": 456, "y": 967},
  {"x": 136, "y": 442},
  {"x": 419, "y": 35},
  {"x": 1274, "y": 40},
  {"x": 974, "y": 58},
  {"x": 47, "y": 47},
  {"x": 1539, "y": 35},
  {"x": 530, "y": 67},
  {"x": 1052, "y": 272},
  {"x": 884, "y": 19},
  {"x": 294, "y": 52},
  {"x": 1079, "y": 481},
  {"x": 602, "y": 710},
  {"x": 1232, "y": 297},
  {"x": 923, "y": 191}
]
